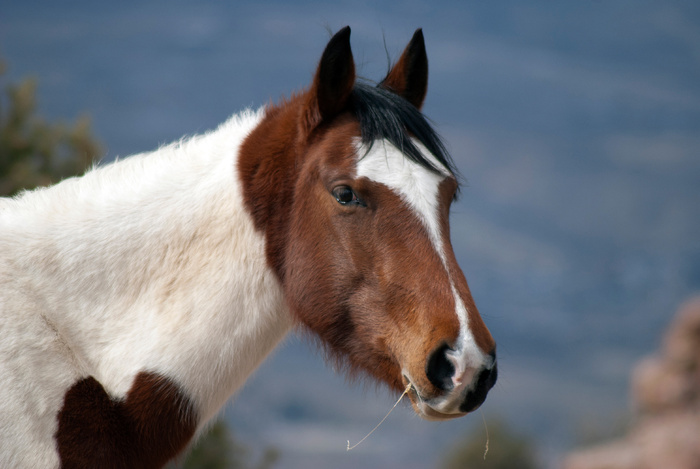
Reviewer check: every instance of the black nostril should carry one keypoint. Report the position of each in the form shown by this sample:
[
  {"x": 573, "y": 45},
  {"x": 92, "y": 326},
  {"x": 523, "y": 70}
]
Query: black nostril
[
  {"x": 439, "y": 369},
  {"x": 487, "y": 378}
]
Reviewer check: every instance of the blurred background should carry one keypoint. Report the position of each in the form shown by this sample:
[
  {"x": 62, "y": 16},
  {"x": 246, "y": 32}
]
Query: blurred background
[{"x": 576, "y": 126}]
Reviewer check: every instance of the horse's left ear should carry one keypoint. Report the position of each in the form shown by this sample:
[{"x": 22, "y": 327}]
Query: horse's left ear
[
  {"x": 334, "y": 80},
  {"x": 409, "y": 76}
]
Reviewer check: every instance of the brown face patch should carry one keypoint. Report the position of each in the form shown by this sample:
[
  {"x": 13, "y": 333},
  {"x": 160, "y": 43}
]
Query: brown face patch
[
  {"x": 145, "y": 430},
  {"x": 364, "y": 278}
]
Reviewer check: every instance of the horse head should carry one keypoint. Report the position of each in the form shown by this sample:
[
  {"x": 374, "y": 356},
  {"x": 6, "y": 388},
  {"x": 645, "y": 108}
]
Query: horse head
[{"x": 353, "y": 188}]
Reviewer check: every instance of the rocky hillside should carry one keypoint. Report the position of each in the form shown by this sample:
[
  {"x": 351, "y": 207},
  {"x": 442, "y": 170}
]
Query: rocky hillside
[{"x": 666, "y": 398}]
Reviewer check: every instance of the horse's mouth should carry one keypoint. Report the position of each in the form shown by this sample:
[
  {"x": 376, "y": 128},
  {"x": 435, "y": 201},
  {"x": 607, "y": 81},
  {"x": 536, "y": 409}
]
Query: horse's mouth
[
  {"x": 422, "y": 407},
  {"x": 442, "y": 407},
  {"x": 428, "y": 413}
]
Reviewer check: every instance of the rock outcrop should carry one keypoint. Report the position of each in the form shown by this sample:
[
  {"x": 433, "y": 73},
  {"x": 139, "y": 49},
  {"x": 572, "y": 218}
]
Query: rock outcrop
[{"x": 666, "y": 397}]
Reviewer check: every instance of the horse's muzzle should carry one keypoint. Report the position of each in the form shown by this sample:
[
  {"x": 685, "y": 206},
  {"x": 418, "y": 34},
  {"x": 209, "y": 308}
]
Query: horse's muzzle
[{"x": 461, "y": 394}]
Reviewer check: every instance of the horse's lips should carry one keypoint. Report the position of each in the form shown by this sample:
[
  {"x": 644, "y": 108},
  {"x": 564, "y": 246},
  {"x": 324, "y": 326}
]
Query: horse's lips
[
  {"x": 431, "y": 414},
  {"x": 428, "y": 413},
  {"x": 423, "y": 409}
]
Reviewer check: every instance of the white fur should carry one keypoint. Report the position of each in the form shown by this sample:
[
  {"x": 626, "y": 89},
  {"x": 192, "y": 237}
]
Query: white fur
[
  {"x": 147, "y": 264},
  {"x": 386, "y": 164}
]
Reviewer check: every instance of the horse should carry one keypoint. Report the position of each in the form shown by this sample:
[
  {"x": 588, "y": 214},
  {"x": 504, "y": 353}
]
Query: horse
[{"x": 137, "y": 298}]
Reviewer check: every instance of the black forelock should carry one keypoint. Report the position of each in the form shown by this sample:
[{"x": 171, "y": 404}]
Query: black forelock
[{"x": 386, "y": 115}]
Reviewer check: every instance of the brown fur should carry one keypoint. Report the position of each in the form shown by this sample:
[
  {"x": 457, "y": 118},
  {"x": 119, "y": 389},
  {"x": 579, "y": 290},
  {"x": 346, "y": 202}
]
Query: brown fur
[{"x": 145, "y": 430}]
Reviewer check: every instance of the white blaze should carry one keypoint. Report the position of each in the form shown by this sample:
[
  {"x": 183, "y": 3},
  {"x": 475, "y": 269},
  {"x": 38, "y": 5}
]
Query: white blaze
[{"x": 418, "y": 186}]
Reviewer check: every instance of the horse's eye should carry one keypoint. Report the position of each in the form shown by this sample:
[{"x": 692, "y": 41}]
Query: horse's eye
[{"x": 346, "y": 196}]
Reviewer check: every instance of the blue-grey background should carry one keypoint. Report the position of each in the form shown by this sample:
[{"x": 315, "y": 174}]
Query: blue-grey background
[{"x": 576, "y": 125}]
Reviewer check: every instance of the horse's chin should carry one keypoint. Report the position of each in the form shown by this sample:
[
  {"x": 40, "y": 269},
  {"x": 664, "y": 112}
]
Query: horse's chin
[{"x": 428, "y": 413}]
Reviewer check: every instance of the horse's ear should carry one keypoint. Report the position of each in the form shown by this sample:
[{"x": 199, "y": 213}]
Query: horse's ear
[
  {"x": 334, "y": 80},
  {"x": 409, "y": 76}
]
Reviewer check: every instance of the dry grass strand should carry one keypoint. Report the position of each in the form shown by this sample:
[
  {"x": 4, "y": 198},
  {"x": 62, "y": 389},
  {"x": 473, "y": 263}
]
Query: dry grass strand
[{"x": 408, "y": 388}]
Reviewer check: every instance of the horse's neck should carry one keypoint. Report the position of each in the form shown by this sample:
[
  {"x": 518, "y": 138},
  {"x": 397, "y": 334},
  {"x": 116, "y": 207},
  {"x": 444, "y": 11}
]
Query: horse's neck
[
  {"x": 269, "y": 166},
  {"x": 154, "y": 264}
]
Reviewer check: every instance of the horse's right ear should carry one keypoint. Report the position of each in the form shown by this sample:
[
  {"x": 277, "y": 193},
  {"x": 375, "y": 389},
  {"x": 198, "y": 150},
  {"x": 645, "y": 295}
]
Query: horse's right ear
[
  {"x": 333, "y": 82},
  {"x": 409, "y": 76}
]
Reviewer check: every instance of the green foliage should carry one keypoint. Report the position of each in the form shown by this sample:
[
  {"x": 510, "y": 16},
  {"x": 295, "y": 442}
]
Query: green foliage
[
  {"x": 217, "y": 449},
  {"x": 33, "y": 152},
  {"x": 506, "y": 450}
]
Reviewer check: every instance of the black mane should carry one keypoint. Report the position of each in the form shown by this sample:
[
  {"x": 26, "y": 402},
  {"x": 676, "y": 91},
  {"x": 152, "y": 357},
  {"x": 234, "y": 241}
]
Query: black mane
[{"x": 386, "y": 115}]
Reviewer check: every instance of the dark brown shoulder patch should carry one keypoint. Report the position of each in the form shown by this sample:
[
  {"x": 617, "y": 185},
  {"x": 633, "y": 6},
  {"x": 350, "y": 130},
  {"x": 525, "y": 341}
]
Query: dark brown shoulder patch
[{"x": 147, "y": 429}]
